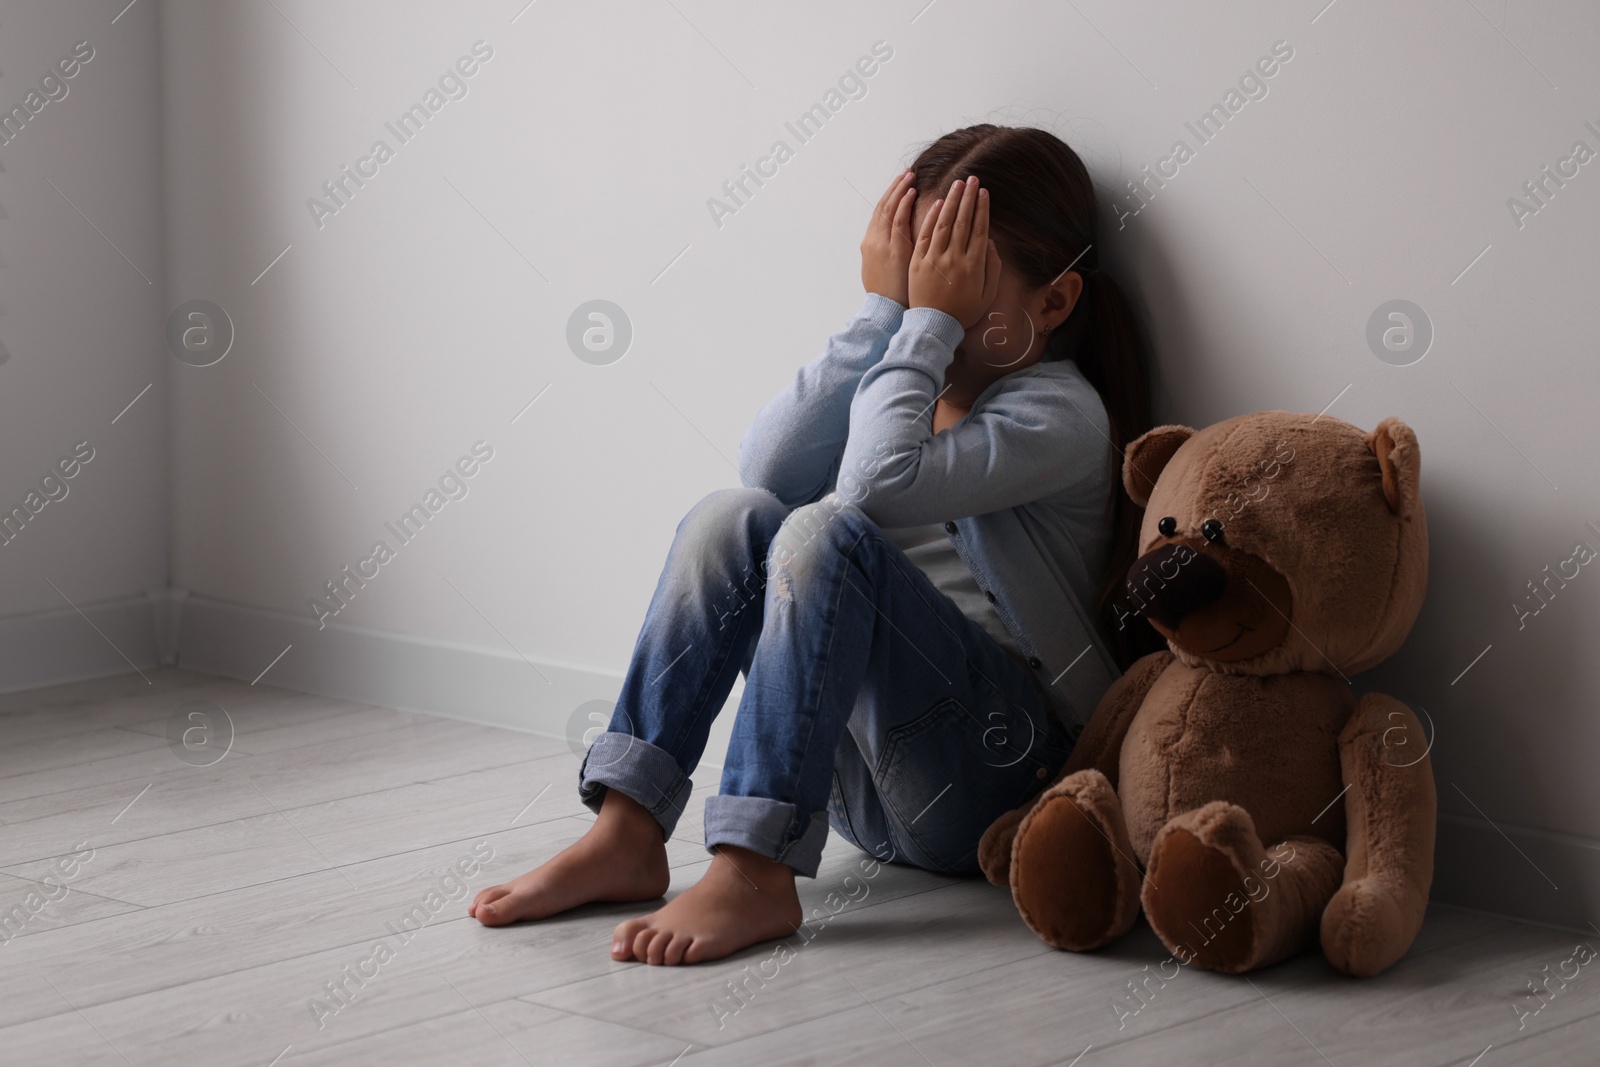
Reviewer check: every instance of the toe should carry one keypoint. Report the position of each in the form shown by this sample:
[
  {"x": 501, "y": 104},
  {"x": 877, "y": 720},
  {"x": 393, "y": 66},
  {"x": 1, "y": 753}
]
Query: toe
[
  {"x": 623, "y": 937},
  {"x": 675, "y": 949},
  {"x": 641, "y": 943},
  {"x": 501, "y": 910},
  {"x": 656, "y": 953},
  {"x": 494, "y": 892}
]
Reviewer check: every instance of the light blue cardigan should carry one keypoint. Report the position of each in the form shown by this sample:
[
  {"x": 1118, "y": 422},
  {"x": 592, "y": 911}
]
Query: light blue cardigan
[{"x": 1022, "y": 482}]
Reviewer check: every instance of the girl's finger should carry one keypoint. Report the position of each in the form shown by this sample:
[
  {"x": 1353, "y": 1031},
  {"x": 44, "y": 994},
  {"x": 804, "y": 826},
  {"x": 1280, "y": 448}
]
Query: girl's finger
[
  {"x": 885, "y": 208},
  {"x": 925, "y": 234},
  {"x": 961, "y": 232},
  {"x": 980, "y": 220},
  {"x": 902, "y": 214},
  {"x": 991, "y": 274},
  {"x": 947, "y": 216},
  {"x": 886, "y": 201}
]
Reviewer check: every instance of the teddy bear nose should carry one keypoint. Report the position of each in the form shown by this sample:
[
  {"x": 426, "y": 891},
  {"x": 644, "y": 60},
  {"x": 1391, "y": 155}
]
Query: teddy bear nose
[{"x": 1173, "y": 581}]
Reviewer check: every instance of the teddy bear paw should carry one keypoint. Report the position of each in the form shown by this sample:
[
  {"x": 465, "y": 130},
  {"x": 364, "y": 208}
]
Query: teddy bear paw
[
  {"x": 1366, "y": 928},
  {"x": 1072, "y": 871},
  {"x": 1221, "y": 901}
]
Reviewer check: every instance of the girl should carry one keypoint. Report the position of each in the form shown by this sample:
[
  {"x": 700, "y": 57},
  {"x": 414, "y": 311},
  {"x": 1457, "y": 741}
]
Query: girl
[{"x": 908, "y": 579}]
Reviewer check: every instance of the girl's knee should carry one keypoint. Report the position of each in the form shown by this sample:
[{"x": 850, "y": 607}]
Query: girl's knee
[
  {"x": 824, "y": 529},
  {"x": 739, "y": 498},
  {"x": 724, "y": 519}
]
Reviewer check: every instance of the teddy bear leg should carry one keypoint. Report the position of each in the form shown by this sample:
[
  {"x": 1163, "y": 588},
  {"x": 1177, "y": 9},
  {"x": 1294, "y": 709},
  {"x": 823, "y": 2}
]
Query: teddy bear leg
[
  {"x": 1221, "y": 901},
  {"x": 1390, "y": 810},
  {"x": 1099, "y": 747},
  {"x": 1073, "y": 876}
]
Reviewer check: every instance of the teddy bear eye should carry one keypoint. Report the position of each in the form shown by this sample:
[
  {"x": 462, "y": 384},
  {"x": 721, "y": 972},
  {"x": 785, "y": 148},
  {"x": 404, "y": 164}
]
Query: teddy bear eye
[
  {"x": 1211, "y": 530},
  {"x": 1168, "y": 526}
]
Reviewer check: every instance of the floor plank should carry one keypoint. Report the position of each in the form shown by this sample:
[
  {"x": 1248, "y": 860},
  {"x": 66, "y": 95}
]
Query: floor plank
[
  {"x": 191, "y": 863},
  {"x": 38, "y": 757},
  {"x": 250, "y": 927},
  {"x": 438, "y": 749},
  {"x": 510, "y": 1033},
  {"x": 28, "y": 907},
  {"x": 854, "y": 1035},
  {"x": 387, "y": 821},
  {"x": 1570, "y": 1043},
  {"x": 181, "y": 798}
]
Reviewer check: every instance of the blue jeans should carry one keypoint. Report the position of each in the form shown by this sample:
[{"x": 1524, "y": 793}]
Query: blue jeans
[{"x": 870, "y": 700}]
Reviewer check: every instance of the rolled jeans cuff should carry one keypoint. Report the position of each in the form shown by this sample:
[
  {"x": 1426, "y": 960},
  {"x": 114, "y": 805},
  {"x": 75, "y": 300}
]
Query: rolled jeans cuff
[
  {"x": 770, "y": 828},
  {"x": 639, "y": 770}
]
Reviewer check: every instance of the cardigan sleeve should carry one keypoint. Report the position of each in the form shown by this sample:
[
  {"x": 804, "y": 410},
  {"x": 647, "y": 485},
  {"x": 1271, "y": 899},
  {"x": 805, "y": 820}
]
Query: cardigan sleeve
[
  {"x": 793, "y": 445},
  {"x": 1037, "y": 436}
]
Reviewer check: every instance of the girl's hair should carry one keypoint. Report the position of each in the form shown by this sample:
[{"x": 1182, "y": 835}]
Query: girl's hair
[{"x": 1043, "y": 218}]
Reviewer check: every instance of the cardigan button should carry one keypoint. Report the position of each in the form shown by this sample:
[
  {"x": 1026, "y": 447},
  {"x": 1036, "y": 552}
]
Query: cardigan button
[
  {"x": 949, "y": 527},
  {"x": 989, "y": 594},
  {"x": 1034, "y": 662}
]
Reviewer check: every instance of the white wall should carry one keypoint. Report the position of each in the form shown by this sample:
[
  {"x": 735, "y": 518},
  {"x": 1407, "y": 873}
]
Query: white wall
[
  {"x": 428, "y": 311},
  {"x": 81, "y": 325}
]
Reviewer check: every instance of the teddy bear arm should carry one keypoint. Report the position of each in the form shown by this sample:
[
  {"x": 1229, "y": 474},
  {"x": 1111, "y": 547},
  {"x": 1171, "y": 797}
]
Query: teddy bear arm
[
  {"x": 1390, "y": 811},
  {"x": 1100, "y": 744},
  {"x": 1099, "y": 747}
]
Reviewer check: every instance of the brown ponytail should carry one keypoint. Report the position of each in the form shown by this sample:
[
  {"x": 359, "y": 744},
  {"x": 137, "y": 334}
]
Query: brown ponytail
[
  {"x": 1111, "y": 352},
  {"x": 1045, "y": 220}
]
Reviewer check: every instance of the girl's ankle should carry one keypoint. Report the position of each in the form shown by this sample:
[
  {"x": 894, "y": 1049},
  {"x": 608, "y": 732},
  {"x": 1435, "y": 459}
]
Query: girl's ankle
[{"x": 625, "y": 818}]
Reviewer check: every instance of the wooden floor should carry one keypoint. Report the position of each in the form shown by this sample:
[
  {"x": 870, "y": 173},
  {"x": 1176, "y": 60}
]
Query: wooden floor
[{"x": 158, "y": 912}]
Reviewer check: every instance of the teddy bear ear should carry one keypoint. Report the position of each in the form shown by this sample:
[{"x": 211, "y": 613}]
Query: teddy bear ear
[
  {"x": 1146, "y": 456},
  {"x": 1395, "y": 445}
]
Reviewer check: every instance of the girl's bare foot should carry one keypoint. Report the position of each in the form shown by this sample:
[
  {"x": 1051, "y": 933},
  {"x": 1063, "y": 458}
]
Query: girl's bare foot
[
  {"x": 742, "y": 899},
  {"x": 621, "y": 858}
]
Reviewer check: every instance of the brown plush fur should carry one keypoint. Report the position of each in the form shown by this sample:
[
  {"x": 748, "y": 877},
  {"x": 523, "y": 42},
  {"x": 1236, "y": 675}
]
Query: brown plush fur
[{"x": 1267, "y": 807}]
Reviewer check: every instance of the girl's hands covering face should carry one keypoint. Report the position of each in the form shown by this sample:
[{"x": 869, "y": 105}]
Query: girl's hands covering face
[
  {"x": 886, "y": 249},
  {"x": 955, "y": 267}
]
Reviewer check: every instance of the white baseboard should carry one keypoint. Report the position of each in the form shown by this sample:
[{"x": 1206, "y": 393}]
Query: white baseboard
[
  {"x": 51, "y": 647},
  {"x": 395, "y": 670},
  {"x": 1554, "y": 881},
  {"x": 379, "y": 667},
  {"x": 1534, "y": 875}
]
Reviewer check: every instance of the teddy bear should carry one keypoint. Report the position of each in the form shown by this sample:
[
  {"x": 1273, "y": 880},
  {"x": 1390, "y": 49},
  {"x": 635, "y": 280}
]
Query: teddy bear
[{"x": 1232, "y": 787}]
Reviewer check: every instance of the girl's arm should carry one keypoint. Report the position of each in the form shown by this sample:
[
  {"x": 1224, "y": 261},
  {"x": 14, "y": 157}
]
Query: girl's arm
[
  {"x": 793, "y": 444},
  {"x": 1022, "y": 445}
]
